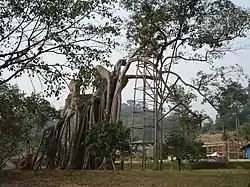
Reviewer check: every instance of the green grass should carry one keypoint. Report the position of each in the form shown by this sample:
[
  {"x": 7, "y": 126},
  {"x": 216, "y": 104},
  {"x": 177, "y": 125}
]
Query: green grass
[
  {"x": 195, "y": 166},
  {"x": 199, "y": 178}
]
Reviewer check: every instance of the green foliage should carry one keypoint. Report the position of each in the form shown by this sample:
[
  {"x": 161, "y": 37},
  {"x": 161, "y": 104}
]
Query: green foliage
[
  {"x": 208, "y": 126},
  {"x": 183, "y": 146},
  {"x": 11, "y": 120},
  {"x": 39, "y": 114},
  {"x": 33, "y": 31},
  {"x": 156, "y": 25},
  {"x": 244, "y": 115},
  {"x": 225, "y": 136},
  {"x": 233, "y": 98},
  {"x": 21, "y": 117},
  {"x": 233, "y": 104},
  {"x": 39, "y": 110},
  {"x": 177, "y": 31},
  {"x": 245, "y": 131},
  {"x": 106, "y": 138}
]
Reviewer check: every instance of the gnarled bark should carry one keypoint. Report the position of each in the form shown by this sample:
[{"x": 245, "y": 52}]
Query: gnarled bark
[{"x": 66, "y": 148}]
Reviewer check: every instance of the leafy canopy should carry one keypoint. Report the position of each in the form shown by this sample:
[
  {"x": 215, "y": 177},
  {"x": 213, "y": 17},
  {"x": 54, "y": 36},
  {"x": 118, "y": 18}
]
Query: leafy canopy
[
  {"x": 32, "y": 32},
  {"x": 245, "y": 131},
  {"x": 21, "y": 117},
  {"x": 208, "y": 125},
  {"x": 157, "y": 24},
  {"x": 106, "y": 138},
  {"x": 183, "y": 146},
  {"x": 233, "y": 104},
  {"x": 181, "y": 142},
  {"x": 177, "y": 31}
]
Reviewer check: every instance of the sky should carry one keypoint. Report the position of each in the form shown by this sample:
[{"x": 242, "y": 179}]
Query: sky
[{"x": 187, "y": 71}]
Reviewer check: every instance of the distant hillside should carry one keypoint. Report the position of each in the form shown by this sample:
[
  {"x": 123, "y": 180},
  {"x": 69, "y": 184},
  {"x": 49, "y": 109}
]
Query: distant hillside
[{"x": 126, "y": 117}]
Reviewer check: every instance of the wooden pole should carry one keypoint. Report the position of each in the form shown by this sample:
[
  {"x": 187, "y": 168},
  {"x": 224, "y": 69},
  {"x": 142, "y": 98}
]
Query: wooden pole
[
  {"x": 144, "y": 115},
  {"x": 156, "y": 142}
]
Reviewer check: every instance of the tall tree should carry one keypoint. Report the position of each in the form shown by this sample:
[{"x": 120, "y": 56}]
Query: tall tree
[
  {"x": 244, "y": 115},
  {"x": 208, "y": 125},
  {"x": 170, "y": 32},
  {"x": 232, "y": 100},
  {"x": 21, "y": 117},
  {"x": 179, "y": 31},
  {"x": 183, "y": 146},
  {"x": 11, "y": 121},
  {"x": 31, "y": 30},
  {"x": 245, "y": 131},
  {"x": 39, "y": 115}
]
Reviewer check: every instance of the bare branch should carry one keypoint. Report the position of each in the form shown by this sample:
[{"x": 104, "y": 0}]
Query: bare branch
[
  {"x": 139, "y": 77},
  {"x": 195, "y": 88},
  {"x": 172, "y": 109}
]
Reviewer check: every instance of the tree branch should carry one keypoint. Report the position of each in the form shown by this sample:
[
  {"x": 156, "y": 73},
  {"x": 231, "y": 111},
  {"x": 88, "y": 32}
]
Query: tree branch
[{"x": 195, "y": 88}]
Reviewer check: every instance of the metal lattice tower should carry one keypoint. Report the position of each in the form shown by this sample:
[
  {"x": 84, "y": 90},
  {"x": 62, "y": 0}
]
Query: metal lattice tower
[{"x": 147, "y": 117}]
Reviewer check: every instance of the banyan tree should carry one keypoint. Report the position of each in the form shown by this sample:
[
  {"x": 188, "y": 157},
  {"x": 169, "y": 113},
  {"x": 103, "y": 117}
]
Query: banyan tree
[
  {"x": 171, "y": 32},
  {"x": 63, "y": 144}
]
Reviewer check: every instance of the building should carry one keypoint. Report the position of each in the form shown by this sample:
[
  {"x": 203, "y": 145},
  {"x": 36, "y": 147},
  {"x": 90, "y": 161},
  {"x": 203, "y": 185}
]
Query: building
[
  {"x": 230, "y": 148},
  {"x": 213, "y": 143},
  {"x": 246, "y": 150}
]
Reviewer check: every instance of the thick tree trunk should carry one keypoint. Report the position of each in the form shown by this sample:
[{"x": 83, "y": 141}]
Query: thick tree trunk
[{"x": 66, "y": 148}]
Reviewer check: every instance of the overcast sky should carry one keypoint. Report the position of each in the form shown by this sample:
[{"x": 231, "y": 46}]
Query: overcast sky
[{"x": 187, "y": 71}]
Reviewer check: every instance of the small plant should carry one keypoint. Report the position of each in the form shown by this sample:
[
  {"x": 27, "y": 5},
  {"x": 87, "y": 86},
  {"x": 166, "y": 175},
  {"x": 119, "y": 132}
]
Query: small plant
[
  {"x": 182, "y": 146},
  {"x": 105, "y": 139}
]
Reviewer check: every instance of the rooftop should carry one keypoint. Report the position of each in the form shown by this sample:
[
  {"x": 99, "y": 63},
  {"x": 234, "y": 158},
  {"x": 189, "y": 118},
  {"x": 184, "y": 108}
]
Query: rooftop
[{"x": 210, "y": 138}]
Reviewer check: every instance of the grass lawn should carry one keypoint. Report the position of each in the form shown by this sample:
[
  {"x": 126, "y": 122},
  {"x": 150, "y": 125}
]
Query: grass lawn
[{"x": 200, "y": 178}]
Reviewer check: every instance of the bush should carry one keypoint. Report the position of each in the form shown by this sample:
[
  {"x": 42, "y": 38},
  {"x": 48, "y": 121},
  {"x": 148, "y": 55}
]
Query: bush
[
  {"x": 220, "y": 165},
  {"x": 196, "y": 166},
  {"x": 210, "y": 165}
]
